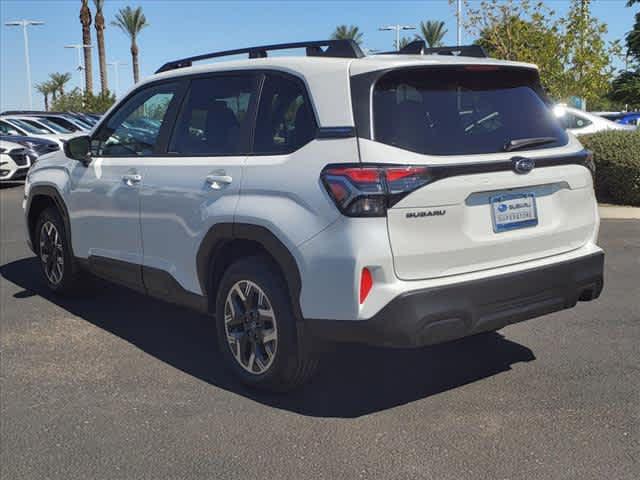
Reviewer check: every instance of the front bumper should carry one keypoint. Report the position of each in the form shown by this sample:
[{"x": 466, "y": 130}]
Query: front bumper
[{"x": 436, "y": 315}]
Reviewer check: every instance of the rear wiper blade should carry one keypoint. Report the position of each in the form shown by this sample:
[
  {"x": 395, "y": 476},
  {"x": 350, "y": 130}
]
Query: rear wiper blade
[{"x": 520, "y": 143}]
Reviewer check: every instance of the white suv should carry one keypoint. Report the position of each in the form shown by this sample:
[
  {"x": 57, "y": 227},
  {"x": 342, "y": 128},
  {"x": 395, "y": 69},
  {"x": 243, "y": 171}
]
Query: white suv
[{"x": 397, "y": 199}]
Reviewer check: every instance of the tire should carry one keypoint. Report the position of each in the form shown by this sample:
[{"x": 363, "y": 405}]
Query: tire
[
  {"x": 54, "y": 252},
  {"x": 279, "y": 363}
]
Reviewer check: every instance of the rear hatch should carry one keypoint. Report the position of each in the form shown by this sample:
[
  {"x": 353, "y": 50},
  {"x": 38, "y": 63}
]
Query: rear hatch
[{"x": 503, "y": 184}]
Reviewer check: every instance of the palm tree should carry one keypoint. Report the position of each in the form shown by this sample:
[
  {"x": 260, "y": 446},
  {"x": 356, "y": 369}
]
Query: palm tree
[
  {"x": 85, "y": 19},
  {"x": 99, "y": 24},
  {"x": 131, "y": 21},
  {"x": 344, "y": 32},
  {"x": 432, "y": 32},
  {"x": 404, "y": 41},
  {"x": 58, "y": 81},
  {"x": 46, "y": 89}
]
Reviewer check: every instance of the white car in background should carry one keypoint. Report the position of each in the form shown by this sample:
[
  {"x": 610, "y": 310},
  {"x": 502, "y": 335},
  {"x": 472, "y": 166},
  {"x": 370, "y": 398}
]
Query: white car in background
[
  {"x": 580, "y": 122},
  {"x": 14, "y": 161},
  {"x": 23, "y": 127}
]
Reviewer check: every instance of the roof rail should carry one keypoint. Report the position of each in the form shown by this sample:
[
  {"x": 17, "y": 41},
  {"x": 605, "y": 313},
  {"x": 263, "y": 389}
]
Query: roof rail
[
  {"x": 419, "y": 47},
  {"x": 334, "y": 48}
]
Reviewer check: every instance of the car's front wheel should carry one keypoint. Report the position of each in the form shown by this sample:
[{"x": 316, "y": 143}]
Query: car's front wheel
[
  {"x": 257, "y": 328},
  {"x": 54, "y": 252}
]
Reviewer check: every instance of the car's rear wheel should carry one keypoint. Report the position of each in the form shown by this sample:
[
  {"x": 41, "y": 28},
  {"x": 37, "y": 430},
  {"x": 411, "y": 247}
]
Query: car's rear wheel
[
  {"x": 257, "y": 328},
  {"x": 56, "y": 259}
]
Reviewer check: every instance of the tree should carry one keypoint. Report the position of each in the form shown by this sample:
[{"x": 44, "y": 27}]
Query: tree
[
  {"x": 76, "y": 101},
  {"x": 520, "y": 31},
  {"x": 344, "y": 32},
  {"x": 46, "y": 89},
  {"x": 433, "y": 33},
  {"x": 585, "y": 53},
  {"x": 58, "y": 82},
  {"x": 85, "y": 20},
  {"x": 626, "y": 88},
  {"x": 100, "y": 26},
  {"x": 404, "y": 41},
  {"x": 131, "y": 21},
  {"x": 633, "y": 40},
  {"x": 571, "y": 52}
]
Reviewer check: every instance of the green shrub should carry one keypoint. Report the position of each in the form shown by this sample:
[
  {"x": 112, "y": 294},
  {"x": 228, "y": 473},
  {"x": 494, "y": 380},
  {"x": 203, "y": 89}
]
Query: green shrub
[{"x": 617, "y": 157}]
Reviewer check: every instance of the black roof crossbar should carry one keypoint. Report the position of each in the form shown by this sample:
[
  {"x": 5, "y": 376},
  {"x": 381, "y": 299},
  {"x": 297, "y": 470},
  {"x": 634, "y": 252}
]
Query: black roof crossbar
[
  {"x": 419, "y": 47},
  {"x": 333, "y": 48}
]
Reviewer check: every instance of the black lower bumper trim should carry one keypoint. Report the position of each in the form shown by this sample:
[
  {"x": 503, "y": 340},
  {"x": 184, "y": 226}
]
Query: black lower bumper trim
[{"x": 436, "y": 315}]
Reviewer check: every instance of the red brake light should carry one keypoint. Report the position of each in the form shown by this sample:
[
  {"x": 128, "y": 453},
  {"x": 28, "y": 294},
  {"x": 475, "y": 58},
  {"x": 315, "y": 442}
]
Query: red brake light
[
  {"x": 359, "y": 175},
  {"x": 366, "y": 282}
]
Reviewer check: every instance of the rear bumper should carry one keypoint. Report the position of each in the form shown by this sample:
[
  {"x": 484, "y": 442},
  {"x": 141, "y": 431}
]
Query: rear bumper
[{"x": 435, "y": 315}]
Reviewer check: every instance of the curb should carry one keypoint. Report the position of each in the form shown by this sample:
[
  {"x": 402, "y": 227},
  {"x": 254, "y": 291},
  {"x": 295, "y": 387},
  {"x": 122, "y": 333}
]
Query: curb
[{"x": 618, "y": 212}]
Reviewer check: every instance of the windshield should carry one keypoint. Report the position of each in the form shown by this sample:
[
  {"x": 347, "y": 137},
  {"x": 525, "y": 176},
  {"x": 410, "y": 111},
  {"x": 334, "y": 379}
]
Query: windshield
[
  {"x": 28, "y": 127},
  {"x": 462, "y": 110},
  {"x": 53, "y": 126}
]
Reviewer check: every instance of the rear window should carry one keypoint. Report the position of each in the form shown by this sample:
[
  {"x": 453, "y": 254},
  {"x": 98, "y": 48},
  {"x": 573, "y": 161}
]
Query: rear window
[{"x": 466, "y": 110}]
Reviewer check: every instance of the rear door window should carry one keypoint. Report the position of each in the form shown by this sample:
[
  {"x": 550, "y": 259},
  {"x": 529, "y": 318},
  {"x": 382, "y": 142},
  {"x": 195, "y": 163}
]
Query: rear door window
[
  {"x": 462, "y": 110},
  {"x": 215, "y": 116}
]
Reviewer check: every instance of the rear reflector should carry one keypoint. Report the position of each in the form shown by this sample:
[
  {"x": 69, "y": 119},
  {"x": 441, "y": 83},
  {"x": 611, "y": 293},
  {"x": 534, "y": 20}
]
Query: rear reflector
[{"x": 366, "y": 282}]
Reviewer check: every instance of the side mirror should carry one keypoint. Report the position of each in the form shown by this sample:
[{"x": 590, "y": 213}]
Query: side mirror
[
  {"x": 13, "y": 132},
  {"x": 79, "y": 148}
]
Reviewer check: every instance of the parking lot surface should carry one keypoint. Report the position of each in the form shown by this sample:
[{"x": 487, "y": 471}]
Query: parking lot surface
[{"x": 114, "y": 385}]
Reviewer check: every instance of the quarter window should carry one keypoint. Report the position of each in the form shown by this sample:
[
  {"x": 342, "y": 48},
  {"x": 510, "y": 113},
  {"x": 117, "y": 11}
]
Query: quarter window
[
  {"x": 285, "y": 117},
  {"x": 569, "y": 120},
  {"x": 214, "y": 116},
  {"x": 134, "y": 129}
]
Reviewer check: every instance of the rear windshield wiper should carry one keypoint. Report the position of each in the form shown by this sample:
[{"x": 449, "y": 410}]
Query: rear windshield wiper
[{"x": 520, "y": 143}]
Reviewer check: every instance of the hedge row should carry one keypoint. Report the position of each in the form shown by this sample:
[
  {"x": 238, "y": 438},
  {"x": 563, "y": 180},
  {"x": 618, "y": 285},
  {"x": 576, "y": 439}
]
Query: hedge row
[{"x": 617, "y": 157}]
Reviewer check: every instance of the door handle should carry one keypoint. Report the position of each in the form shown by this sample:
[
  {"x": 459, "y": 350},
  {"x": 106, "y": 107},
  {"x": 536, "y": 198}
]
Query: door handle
[
  {"x": 132, "y": 179},
  {"x": 219, "y": 180}
]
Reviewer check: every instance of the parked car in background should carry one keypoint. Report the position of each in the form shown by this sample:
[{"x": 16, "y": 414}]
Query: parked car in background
[
  {"x": 14, "y": 161},
  {"x": 580, "y": 122},
  {"x": 37, "y": 147},
  {"x": 13, "y": 127},
  {"x": 632, "y": 118},
  {"x": 41, "y": 123},
  {"x": 613, "y": 116},
  {"x": 64, "y": 119}
]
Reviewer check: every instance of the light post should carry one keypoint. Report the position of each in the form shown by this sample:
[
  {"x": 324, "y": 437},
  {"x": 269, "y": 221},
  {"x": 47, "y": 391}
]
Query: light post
[
  {"x": 397, "y": 29},
  {"x": 459, "y": 21},
  {"x": 78, "y": 48},
  {"x": 24, "y": 24},
  {"x": 116, "y": 64}
]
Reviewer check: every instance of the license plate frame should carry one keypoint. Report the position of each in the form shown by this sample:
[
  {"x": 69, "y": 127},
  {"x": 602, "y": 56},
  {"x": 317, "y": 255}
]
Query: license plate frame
[{"x": 507, "y": 203}]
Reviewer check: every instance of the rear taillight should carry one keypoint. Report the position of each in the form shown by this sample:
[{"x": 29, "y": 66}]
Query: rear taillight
[{"x": 367, "y": 191}]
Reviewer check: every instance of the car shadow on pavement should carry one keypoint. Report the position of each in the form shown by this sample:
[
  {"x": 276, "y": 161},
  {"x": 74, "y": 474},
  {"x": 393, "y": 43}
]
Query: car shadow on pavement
[{"x": 353, "y": 380}]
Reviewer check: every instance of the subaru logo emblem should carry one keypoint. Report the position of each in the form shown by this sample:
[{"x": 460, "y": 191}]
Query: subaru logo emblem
[
  {"x": 502, "y": 208},
  {"x": 523, "y": 165}
]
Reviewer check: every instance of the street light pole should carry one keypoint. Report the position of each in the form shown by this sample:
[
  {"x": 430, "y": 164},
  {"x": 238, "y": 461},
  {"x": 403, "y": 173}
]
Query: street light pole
[
  {"x": 78, "y": 48},
  {"x": 24, "y": 24},
  {"x": 116, "y": 64},
  {"x": 459, "y": 19},
  {"x": 397, "y": 29}
]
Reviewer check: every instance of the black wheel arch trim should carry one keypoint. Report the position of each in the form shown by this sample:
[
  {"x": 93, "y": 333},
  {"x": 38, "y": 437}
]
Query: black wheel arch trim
[
  {"x": 52, "y": 193},
  {"x": 222, "y": 233}
]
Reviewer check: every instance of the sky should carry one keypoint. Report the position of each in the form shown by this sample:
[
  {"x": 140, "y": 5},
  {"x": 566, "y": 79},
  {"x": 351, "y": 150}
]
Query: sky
[{"x": 180, "y": 28}]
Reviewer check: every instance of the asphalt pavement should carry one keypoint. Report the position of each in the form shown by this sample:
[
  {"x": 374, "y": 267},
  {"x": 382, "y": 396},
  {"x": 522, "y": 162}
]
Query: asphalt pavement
[{"x": 114, "y": 385}]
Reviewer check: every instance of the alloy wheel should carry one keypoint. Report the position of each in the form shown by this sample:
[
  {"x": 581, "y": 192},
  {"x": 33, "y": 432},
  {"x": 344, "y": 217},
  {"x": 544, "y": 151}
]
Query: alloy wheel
[
  {"x": 51, "y": 253},
  {"x": 251, "y": 327}
]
